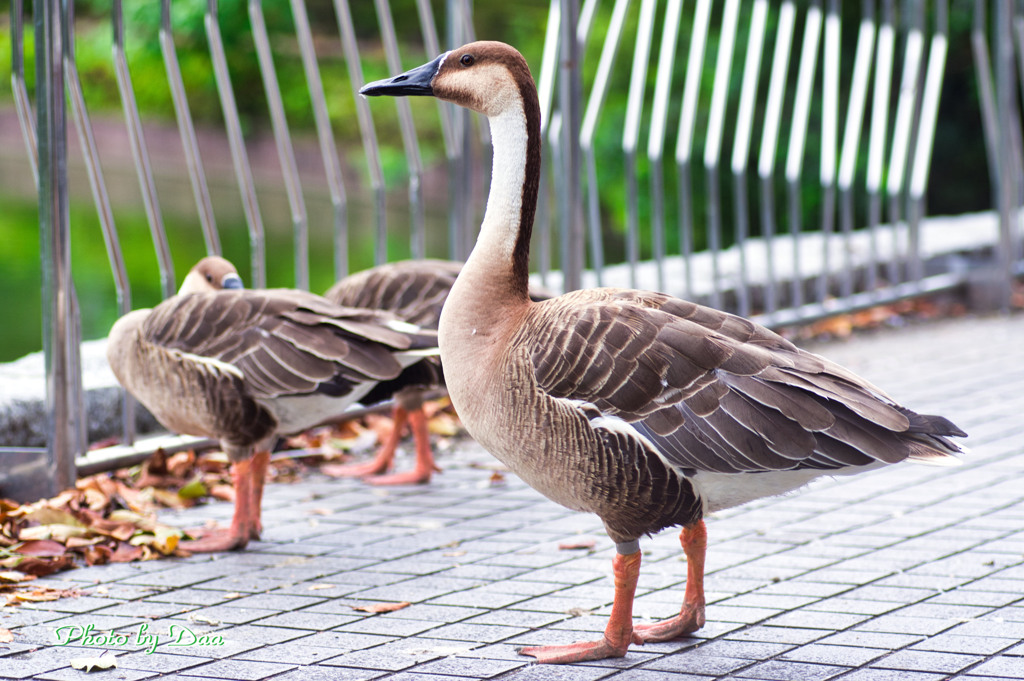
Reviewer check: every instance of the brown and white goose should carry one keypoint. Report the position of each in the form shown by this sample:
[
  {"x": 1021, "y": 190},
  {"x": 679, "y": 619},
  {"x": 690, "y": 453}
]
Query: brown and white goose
[
  {"x": 647, "y": 410},
  {"x": 245, "y": 366},
  {"x": 414, "y": 291}
]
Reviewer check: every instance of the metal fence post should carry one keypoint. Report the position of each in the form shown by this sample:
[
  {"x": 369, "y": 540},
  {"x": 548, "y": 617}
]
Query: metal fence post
[{"x": 54, "y": 236}]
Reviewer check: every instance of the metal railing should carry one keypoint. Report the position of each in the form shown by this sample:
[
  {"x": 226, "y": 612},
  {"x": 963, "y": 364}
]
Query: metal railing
[{"x": 711, "y": 142}]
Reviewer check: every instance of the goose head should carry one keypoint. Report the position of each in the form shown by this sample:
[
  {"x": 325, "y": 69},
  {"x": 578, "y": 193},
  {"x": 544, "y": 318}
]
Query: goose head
[
  {"x": 486, "y": 76},
  {"x": 212, "y": 273}
]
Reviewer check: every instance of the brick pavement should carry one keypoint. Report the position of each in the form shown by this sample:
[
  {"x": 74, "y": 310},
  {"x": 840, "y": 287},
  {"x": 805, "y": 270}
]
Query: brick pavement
[{"x": 911, "y": 573}]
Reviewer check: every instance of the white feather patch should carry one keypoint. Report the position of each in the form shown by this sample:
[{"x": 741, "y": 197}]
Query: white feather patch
[{"x": 210, "y": 363}]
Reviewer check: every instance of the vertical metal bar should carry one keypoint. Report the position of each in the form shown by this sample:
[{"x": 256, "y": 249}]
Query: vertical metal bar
[
  {"x": 55, "y": 248},
  {"x": 101, "y": 199},
  {"x": 798, "y": 136},
  {"x": 713, "y": 144},
  {"x": 595, "y": 102},
  {"x": 549, "y": 64},
  {"x": 283, "y": 142},
  {"x": 140, "y": 154},
  {"x": 369, "y": 133},
  {"x": 829, "y": 137},
  {"x": 770, "y": 140},
  {"x": 851, "y": 136},
  {"x": 414, "y": 162},
  {"x": 877, "y": 142},
  {"x": 20, "y": 90},
  {"x": 684, "y": 138},
  {"x": 549, "y": 121},
  {"x": 906, "y": 104},
  {"x": 631, "y": 132},
  {"x": 656, "y": 140},
  {"x": 741, "y": 145},
  {"x": 926, "y": 130},
  {"x": 243, "y": 171},
  {"x": 429, "y": 30},
  {"x": 570, "y": 104},
  {"x": 986, "y": 88},
  {"x": 187, "y": 132},
  {"x": 325, "y": 135},
  {"x": 587, "y": 14},
  {"x": 1007, "y": 179}
]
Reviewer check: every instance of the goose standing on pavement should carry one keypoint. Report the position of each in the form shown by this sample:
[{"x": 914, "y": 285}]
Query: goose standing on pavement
[
  {"x": 246, "y": 366},
  {"x": 647, "y": 410},
  {"x": 414, "y": 291}
]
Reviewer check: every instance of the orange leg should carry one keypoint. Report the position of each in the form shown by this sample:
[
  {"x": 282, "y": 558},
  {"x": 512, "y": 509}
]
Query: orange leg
[
  {"x": 259, "y": 465},
  {"x": 385, "y": 457},
  {"x": 237, "y": 535},
  {"x": 618, "y": 633},
  {"x": 425, "y": 465},
  {"x": 694, "y": 539}
]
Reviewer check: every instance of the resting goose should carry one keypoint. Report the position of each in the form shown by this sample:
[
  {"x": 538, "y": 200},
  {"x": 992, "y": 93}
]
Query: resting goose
[
  {"x": 647, "y": 410},
  {"x": 414, "y": 291},
  {"x": 245, "y": 366}
]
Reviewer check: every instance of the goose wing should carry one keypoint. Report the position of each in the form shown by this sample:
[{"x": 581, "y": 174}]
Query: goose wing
[
  {"x": 283, "y": 342},
  {"x": 414, "y": 290},
  {"x": 716, "y": 392}
]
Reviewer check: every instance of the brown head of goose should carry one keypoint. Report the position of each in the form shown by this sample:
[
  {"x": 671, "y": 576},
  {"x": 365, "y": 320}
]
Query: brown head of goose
[
  {"x": 414, "y": 291},
  {"x": 647, "y": 410},
  {"x": 244, "y": 366}
]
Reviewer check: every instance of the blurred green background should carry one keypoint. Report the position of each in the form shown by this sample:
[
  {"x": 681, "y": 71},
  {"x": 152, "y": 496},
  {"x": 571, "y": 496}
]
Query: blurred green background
[{"x": 959, "y": 173}]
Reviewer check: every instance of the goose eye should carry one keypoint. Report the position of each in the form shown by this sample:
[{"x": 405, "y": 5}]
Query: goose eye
[
  {"x": 466, "y": 60},
  {"x": 209, "y": 278}
]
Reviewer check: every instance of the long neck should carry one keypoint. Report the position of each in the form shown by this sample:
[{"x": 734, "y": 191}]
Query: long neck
[{"x": 504, "y": 239}]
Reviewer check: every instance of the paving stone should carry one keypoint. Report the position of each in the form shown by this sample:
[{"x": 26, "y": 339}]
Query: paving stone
[
  {"x": 953, "y": 643},
  {"x": 71, "y": 674},
  {"x": 290, "y": 652},
  {"x": 388, "y": 627},
  {"x": 158, "y": 661},
  {"x": 898, "y": 624},
  {"x": 302, "y": 619},
  {"x": 817, "y": 620},
  {"x": 692, "y": 662},
  {"x": 780, "y": 670},
  {"x": 870, "y": 639},
  {"x": 752, "y": 650},
  {"x": 399, "y": 654},
  {"x": 892, "y": 675},
  {"x": 477, "y": 633},
  {"x": 321, "y": 673},
  {"x": 919, "y": 660},
  {"x": 470, "y": 667},
  {"x": 848, "y": 656},
  {"x": 238, "y": 669},
  {"x": 1011, "y": 667},
  {"x": 773, "y": 634}
]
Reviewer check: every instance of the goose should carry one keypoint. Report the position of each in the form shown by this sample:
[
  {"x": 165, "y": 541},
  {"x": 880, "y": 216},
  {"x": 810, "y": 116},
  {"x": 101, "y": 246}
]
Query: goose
[
  {"x": 414, "y": 291},
  {"x": 647, "y": 410},
  {"x": 244, "y": 366}
]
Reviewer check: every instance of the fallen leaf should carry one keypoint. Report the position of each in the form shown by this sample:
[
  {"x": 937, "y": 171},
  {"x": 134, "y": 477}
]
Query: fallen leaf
[
  {"x": 320, "y": 511},
  {"x": 580, "y": 544},
  {"x": 14, "y": 576},
  {"x": 92, "y": 664},
  {"x": 6, "y": 636},
  {"x": 382, "y": 607},
  {"x": 41, "y": 547},
  {"x": 497, "y": 478},
  {"x": 319, "y": 587},
  {"x": 200, "y": 619},
  {"x": 193, "y": 490}
]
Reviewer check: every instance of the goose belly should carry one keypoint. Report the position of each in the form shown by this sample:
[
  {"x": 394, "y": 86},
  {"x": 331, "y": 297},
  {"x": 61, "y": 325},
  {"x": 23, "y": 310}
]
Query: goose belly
[
  {"x": 720, "y": 491},
  {"x": 600, "y": 466}
]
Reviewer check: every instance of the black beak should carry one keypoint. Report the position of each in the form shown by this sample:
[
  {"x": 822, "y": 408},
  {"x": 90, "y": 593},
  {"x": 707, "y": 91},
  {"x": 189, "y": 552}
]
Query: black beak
[
  {"x": 231, "y": 281},
  {"x": 416, "y": 81}
]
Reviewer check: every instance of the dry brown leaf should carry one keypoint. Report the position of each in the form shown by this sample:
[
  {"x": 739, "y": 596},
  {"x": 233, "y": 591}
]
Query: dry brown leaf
[
  {"x": 92, "y": 664},
  {"x": 14, "y": 576},
  {"x": 41, "y": 547},
  {"x": 381, "y": 607},
  {"x": 319, "y": 587},
  {"x": 497, "y": 478},
  {"x": 6, "y": 636},
  {"x": 578, "y": 544}
]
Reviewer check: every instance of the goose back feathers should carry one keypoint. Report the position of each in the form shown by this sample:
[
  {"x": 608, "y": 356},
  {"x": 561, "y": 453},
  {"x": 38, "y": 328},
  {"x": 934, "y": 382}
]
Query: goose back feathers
[{"x": 239, "y": 365}]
